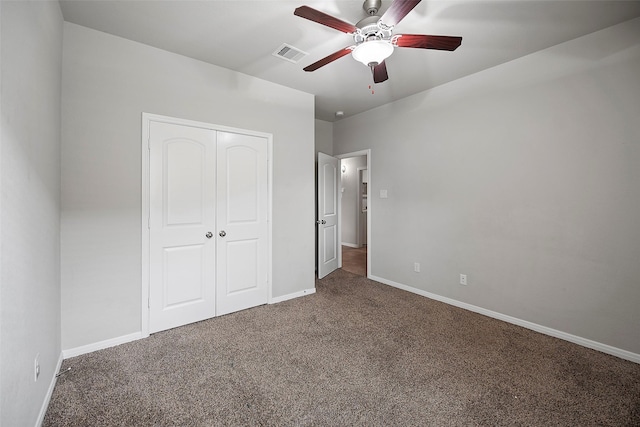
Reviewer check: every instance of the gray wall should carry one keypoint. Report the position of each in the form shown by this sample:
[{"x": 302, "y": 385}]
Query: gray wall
[
  {"x": 31, "y": 37},
  {"x": 324, "y": 137},
  {"x": 107, "y": 83},
  {"x": 525, "y": 177}
]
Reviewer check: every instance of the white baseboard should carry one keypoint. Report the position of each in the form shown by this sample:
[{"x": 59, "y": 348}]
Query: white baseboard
[
  {"x": 350, "y": 245},
  {"x": 298, "y": 294},
  {"x": 614, "y": 351},
  {"x": 47, "y": 398},
  {"x": 77, "y": 351}
]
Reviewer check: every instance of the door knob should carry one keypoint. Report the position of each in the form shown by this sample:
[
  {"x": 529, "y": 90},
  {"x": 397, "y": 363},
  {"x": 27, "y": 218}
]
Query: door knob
[
  {"x": 209, "y": 235},
  {"x": 222, "y": 233},
  {"x": 324, "y": 222}
]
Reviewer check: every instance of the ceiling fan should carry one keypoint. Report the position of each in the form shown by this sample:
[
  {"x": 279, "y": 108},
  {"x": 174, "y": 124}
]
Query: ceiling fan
[{"x": 373, "y": 36}]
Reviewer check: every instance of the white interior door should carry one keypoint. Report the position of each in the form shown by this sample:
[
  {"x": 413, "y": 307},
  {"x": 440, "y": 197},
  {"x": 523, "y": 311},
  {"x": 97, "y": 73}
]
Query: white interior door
[
  {"x": 327, "y": 223},
  {"x": 182, "y": 213},
  {"x": 242, "y": 231},
  {"x": 208, "y": 223}
]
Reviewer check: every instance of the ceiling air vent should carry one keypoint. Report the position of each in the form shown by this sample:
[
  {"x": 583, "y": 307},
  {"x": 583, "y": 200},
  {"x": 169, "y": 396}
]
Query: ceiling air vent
[{"x": 289, "y": 53}]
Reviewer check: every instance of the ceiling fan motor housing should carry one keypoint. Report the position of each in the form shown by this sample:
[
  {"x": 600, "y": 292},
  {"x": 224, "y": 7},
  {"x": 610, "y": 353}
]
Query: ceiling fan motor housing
[
  {"x": 369, "y": 29},
  {"x": 371, "y": 6}
]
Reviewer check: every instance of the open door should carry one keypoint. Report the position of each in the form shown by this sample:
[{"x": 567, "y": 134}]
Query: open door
[{"x": 328, "y": 211}]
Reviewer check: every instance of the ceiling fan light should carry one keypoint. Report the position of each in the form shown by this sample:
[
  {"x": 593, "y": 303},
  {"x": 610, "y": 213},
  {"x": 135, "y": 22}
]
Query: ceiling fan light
[{"x": 373, "y": 51}]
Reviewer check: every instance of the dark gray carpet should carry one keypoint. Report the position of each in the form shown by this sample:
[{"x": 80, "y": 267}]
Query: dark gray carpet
[{"x": 355, "y": 353}]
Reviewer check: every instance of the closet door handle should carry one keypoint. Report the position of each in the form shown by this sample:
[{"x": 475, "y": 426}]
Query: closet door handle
[
  {"x": 222, "y": 233},
  {"x": 209, "y": 235}
]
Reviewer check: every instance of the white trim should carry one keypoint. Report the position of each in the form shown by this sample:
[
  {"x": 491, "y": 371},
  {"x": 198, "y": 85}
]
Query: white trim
[
  {"x": 351, "y": 245},
  {"x": 101, "y": 345},
  {"x": 359, "y": 204},
  {"x": 47, "y": 398},
  {"x": 614, "y": 351},
  {"x": 144, "y": 226},
  {"x": 269, "y": 217},
  {"x": 147, "y": 118},
  {"x": 292, "y": 296},
  {"x": 367, "y": 153}
]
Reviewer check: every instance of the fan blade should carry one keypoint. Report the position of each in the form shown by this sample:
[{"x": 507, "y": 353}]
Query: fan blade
[
  {"x": 324, "y": 61},
  {"x": 423, "y": 41},
  {"x": 397, "y": 11},
  {"x": 380, "y": 73},
  {"x": 324, "y": 19}
]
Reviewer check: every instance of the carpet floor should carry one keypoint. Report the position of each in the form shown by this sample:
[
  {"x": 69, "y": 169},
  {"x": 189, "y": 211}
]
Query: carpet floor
[{"x": 355, "y": 353}]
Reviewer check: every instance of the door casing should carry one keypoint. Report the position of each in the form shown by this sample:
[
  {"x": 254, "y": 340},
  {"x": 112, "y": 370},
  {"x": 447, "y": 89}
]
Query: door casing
[
  {"x": 147, "y": 118},
  {"x": 359, "y": 237}
]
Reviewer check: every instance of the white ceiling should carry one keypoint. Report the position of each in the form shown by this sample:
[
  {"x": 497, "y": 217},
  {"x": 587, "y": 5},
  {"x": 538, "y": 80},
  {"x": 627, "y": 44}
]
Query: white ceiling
[{"x": 242, "y": 35}]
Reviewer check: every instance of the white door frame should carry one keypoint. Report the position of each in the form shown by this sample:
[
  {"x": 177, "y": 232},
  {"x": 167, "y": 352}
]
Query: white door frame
[
  {"x": 147, "y": 118},
  {"x": 359, "y": 203},
  {"x": 367, "y": 153}
]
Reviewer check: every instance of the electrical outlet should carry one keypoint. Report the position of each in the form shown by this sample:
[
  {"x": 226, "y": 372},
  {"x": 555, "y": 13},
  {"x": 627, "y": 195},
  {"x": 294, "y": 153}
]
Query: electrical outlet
[
  {"x": 463, "y": 279},
  {"x": 36, "y": 367},
  {"x": 416, "y": 267}
]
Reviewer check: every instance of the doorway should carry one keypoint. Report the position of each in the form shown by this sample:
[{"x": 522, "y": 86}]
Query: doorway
[{"x": 355, "y": 212}]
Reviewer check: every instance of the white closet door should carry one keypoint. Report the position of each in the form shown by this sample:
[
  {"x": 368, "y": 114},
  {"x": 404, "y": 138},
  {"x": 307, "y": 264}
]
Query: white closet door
[
  {"x": 242, "y": 232},
  {"x": 182, "y": 214}
]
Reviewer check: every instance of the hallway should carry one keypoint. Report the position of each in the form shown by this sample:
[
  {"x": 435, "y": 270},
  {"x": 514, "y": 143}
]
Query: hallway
[{"x": 354, "y": 260}]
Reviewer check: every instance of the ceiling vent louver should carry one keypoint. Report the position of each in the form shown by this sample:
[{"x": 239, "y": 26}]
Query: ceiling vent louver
[{"x": 289, "y": 53}]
